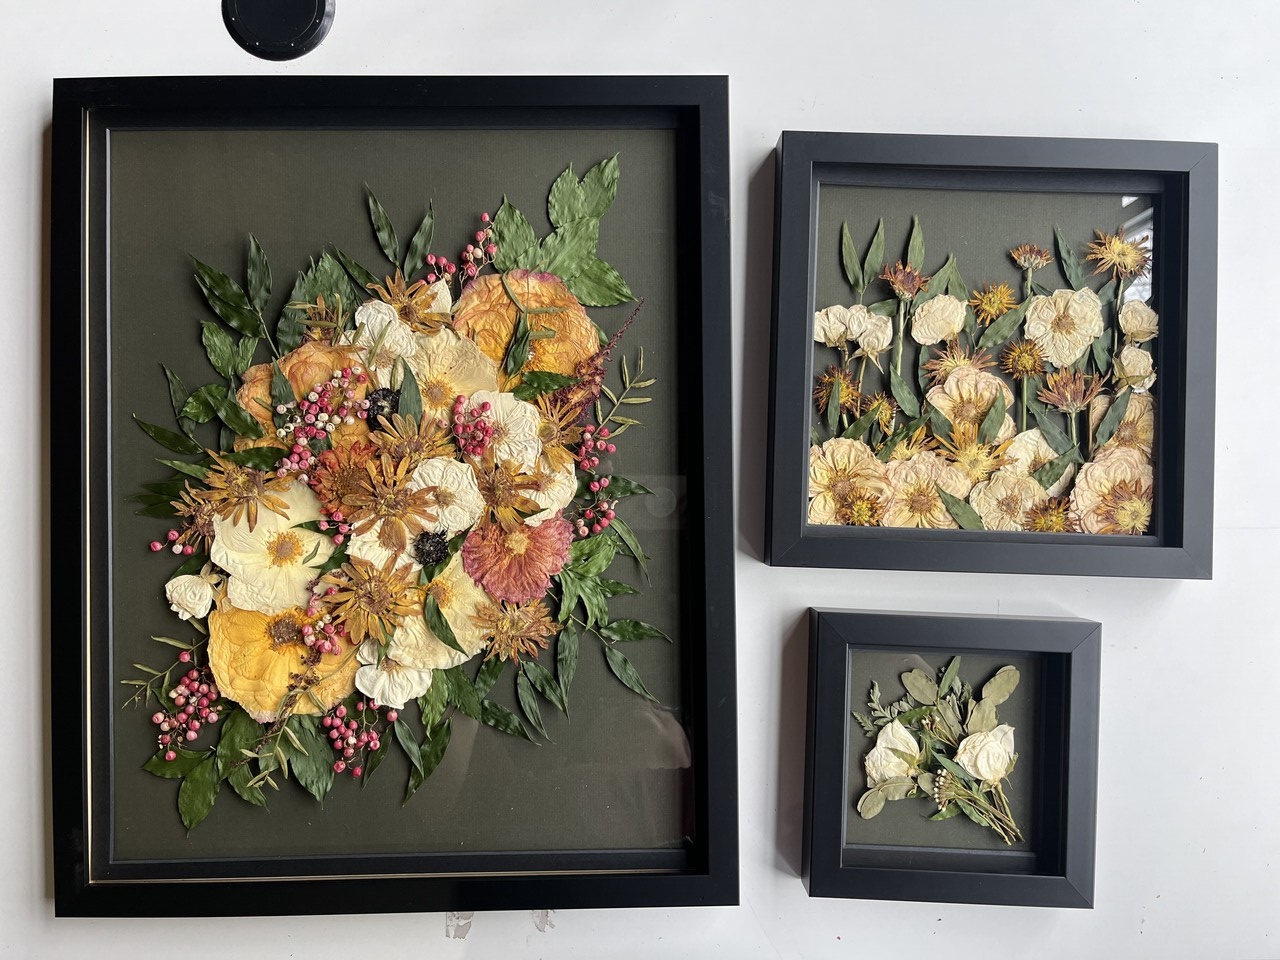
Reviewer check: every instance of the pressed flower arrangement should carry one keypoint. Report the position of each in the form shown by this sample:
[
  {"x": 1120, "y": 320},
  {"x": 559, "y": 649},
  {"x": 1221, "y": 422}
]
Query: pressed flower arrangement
[
  {"x": 940, "y": 405},
  {"x": 411, "y": 490}
]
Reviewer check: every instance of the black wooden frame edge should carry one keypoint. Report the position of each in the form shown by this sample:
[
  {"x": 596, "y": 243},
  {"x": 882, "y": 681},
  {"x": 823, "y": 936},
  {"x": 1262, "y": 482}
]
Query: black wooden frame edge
[
  {"x": 786, "y": 541},
  {"x": 712, "y": 876},
  {"x": 822, "y": 870}
]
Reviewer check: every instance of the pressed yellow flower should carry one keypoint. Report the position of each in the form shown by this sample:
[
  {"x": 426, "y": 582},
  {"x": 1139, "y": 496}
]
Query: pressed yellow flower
[
  {"x": 1069, "y": 390},
  {"x": 1052, "y": 516},
  {"x": 992, "y": 302},
  {"x": 405, "y": 439},
  {"x": 827, "y": 385},
  {"x": 885, "y": 410},
  {"x": 370, "y": 600},
  {"x": 197, "y": 517},
  {"x": 978, "y": 460},
  {"x": 1123, "y": 258},
  {"x": 841, "y": 471},
  {"x": 1022, "y": 359},
  {"x": 906, "y": 281},
  {"x": 1113, "y": 493},
  {"x": 425, "y": 309},
  {"x": 559, "y": 431},
  {"x": 264, "y": 664},
  {"x": 517, "y": 629},
  {"x": 1030, "y": 257},
  {"x": 952, "y": 357},
  {"x": 1136, "y": 429},
  {"x": 861, "y": 508},
  {"x": 391, "y": 499},
  {"x": 920, "y": 441},
  {"x": 507, "y": 490},
  {"x": 1003, "y": 501},
  {"x": 236, "y": 492},
  {"x": 913, "y": 499}
]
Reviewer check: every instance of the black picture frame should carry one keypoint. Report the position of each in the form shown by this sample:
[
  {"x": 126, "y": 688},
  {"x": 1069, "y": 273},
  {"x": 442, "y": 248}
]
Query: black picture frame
[
  {"x": 1059, "y": 869},
  {"x": 1184, "y": 177},
  {"x": 85, "y": 111}
]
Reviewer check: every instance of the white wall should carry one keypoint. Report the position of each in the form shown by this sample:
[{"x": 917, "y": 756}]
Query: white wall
[{"x": 1188, "y": 843}]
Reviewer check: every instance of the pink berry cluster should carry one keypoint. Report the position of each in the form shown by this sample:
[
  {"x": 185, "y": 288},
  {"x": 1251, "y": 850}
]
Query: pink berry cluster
[
  {"x": 350, "y": 735},
  {"x": 317, "y": 415},
  {"x": 476, "y": 256},
  {"x": 173, "y": 540},
  {"x": 600, "y": 514},
  {"x": 441, "y": 268},
  {"x": 472, "y": 428},
  {"x": 594, "y": 442},
  {"x": 194, "y": 700},
  {"x": 321, "y": 632},
  {"x": 334, "y": 520}
]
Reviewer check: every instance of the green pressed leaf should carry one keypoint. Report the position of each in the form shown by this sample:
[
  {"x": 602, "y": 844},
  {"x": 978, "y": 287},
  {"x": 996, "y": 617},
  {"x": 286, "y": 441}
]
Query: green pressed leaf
[
  {"x": 410, "y": 404},
  {"x": 921, "y": 686},
  {"x": 626, "y": 630},
  {"x": 408, "y": 743},
  {"x": 177, "y": 442},
  {"x": 570, "y": 248},
  {"x": 1114, "y": 415},
  {"x": 1005, "y": 327},
  {"x": 158, "y": 510},
  {"x": 514, "y": 237},
  {"x": 954, "y": 768},
  {"x": 624, "y": 671},
  {"x": 311, "y": 759},
  {"x": 240, "y": 732},
  {"x": 971, "y": 812},
  {"x": 259, "y": 275},
  {"x": 198, "y": 792},
  {"x": 179, "y": 767},
  {"x": 922, "y": 371},
  {"x": 439, "y": 625},
  {"x": 1052, "y": 471},
  {"x": 833, "y": 407},
  {"x": 849, "y": 257},
  {"x": 228, "y": 300},
  {"x": 895, "y": 438},
  {"x": 433, "y": 702},
  {"x": 237, "y": 418},
  {"x": 1040, "y": 289},
  {"x": 860, "y": 426},
  {"x": 903, "y": 393},
  {"x": 1101, "y": 355},
  {"x": 1070, "y": 263},
  {"x": 420, "y": 244},
  {"x": 961, "y": 512},
  {"x": 592, "y": 556},
  {"x": 994, "y": 419},
  {"x": 500, "y": 718},
  {"x": 884, "y": 308},
  {"x": 361, "y": 277},
  {"x": 622, "y": 487},
  {"x": 529, "y": 703},
  {"x": 567, "y": 200},
  {"x": 544, "y": 683},
  {"x": 218, "y": 345},
  {"x": 373, "y": 760},
  {"x": 242, "y": 356},
  {"x": 433, "y": 749},
  {"x": 1107, "y": 293},
  {"x": 518, "y": 349},
  {"x": 616, "y": 588},
  {"x": 949, "y": 675},
  {"x": 202, "y": 405},
  {"x": 534, "y": 383},
  {"x": 1047, "y": 421},
  {"x": 939, "y": 282},
  {"x": 915, "y": 245},
  {"x": 260, "y": 458},
  {"x": 870, "y": 803},
  {"x": 462, "y": 694},
  {"x": 982, "y": 719},
  {"x": 566, "y": 659},
  {"x": 1000, "y": 687},
  {"x": 947, "y": 812},
  {"x": 898, "y": 788},
  {"x": 177, "y": 390},
  {"x": 488, "y": 675},
  {"x": 599, "y": 285},
  {"x": 939, "y": 424},
  {"x": 323, "y": 278},
  {"x": 382, "y": 228},
  {"x": 281, "y": 389},
  {"x": 190, "y": 469},
  {"x": 873, "y": 263},
  {"x": 600, "y": 187}
]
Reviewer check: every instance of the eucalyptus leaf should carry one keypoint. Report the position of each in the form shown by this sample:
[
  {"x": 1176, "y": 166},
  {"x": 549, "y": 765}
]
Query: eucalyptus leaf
[
  {"x": 982, "y": 719},
  {"x": 921, "y": 686},
  {"x": 870, "y": 803},
  {"x": 1000, "y": 687},
  {"x": 897, "y": 788}
]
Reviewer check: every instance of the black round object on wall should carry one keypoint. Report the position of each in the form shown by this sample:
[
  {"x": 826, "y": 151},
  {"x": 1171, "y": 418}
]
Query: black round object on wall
[{"x": 278, "y": 29}]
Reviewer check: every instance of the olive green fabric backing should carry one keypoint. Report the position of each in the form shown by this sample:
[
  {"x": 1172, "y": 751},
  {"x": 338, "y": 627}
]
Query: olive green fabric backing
[
  {"x": 905, "y": 822},
  {"x": 614, "y": 777}
]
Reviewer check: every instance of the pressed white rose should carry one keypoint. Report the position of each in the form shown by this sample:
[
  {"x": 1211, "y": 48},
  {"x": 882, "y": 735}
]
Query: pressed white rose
[
  {"x": 1138, "y": 322},
  {"x": 1136, "y": 429},
  {"x": 857, "y": 321},
  {"x": 458, "y": 500},
  {"x": 1028, "y": 452},
  {"x": 447, "y": 366},
  {"x": 1064, "y": 324},
  {"x": 967, "y": 396},
  {"x": 839, "y": 470},
  {"x": 876, "y": 337},
  {"x": 988, "y": 756},
  {"x": 189, "y": 596},
  {"x": 266, "y": 565},
  {"x": 882, "y": 763},
  {"x": 831, "y": 326},
  {"x": 1134, "y": 369},
  {"x": 516, "y": 427},
  {"x": 383, "y": 337},
  {"x": 387, "y": 679},
  {"x": 1113, "y": 493},
  {"x": 553, "y": 493},
  {"x": 913, "y": 499},
  {"x": 1003, "y": 500},
  {"x": 938, "y": 319}
]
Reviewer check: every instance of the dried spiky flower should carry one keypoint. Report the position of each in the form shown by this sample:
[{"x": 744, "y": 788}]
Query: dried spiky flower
[
  {"x": 885, "y": 410},
  {"x": 861, "y": 508},
  {"x": 1070, "y": 390},
  {"x": 1125, "y": 508},
  {"x": 952, "y": 357},
  {"x": 416, "y": 304},
  {"x": 404, "y": 438},
  {"x": 1022, "y": 359},
  {"x": 1053, "y": 516},
  {"x": 517, "y": 629},
  {"x": 370, "y": 600},
  {"x": 837, "y": 379},
  {"x": 1124, "y": 258},
  {"x": 905, "y": 280},
  {"x": 978, "y": 460},
  {"x": 390, "y": 499},
  {"x": 505, "y": 488},
  {"x": 1030, "y": 257},
  {"x": 236, "y": 491},
  {"x": 920, "y": 441},
  {"x": 992, "y": 302}
]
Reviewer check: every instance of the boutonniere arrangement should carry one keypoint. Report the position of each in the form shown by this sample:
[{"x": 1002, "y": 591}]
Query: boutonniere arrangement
[
  {"x": 943, "y": 406},
  {"x": 399, "y": 488},
  {"x": 942, "y": 743}
]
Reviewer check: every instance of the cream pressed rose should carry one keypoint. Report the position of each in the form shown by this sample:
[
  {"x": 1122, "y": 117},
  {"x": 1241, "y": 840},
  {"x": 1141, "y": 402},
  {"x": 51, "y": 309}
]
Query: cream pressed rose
[
  {"x": 1003, "y": 500},
  {"x": 389, "y": 679},
  {"x": 938, "y": 319},
  {"x": 553, "y": 493},
  {"x": 1136, "y": 429},
  {"x": 968, "y": 395},
  {"x": 1064, "y": 324},
  {"x": 913, "y": 499},
  {"x": 1028, "y": 452},
  {"x": 831, "y": 326},
  {"x": 189, "y": 596},
  {"x": 1135, "y": 370},
  {"x": 382, "y": 338},
  {"x": 1138, "y": 322},
  {"x": 516, "y": 427},
  {"x": 882, "y": 763},
  {"x": 876, "y": 338},
  {"x": 988, "y": 756},
  {"x": 1113, "y": 493},
  {"x": 447, "y": 366},
  {"x": 458, "y": 499},
  {"x": 838, "y": 471}
]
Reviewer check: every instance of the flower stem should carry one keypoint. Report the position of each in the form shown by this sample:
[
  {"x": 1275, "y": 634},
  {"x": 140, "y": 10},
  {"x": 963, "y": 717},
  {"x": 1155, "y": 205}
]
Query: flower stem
[
  {"x": 1071, "y": 421},
  {"x": 1024, "y": 404},
  {"x": 1115, "y": 331},
  {"x": 1026, "y": 283},
  {"x": 902, "y": 325}
]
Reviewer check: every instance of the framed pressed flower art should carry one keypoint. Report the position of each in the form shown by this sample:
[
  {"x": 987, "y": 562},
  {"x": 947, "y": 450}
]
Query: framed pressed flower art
[
  {"x": 993, "y": 354},
  {"x": 398, "y": 560},
  {"x": 951, "y": 758}
]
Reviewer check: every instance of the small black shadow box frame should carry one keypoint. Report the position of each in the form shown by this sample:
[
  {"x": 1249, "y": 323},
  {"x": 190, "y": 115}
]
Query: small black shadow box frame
[
  {"x": 899, "y": 851},
  {"x": 1045, "y": 264},
  {"x": 634, "y": 803}
]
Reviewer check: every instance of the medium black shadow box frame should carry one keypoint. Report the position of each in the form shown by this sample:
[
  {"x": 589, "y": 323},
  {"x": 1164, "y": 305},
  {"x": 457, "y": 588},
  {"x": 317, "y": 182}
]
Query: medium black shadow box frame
[
  {"x": 639, "y": 802},
  {"x": 911, "y": 858},
  {"x": 1179, "y": 182}
]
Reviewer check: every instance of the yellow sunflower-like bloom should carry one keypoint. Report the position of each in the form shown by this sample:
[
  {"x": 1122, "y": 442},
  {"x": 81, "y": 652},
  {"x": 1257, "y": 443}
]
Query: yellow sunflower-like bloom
[{"x": 262, "y": 663}]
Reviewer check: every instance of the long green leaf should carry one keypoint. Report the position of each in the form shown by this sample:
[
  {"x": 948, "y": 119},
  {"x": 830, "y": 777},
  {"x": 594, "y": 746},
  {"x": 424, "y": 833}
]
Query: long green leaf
[
  {"x": 177, "y": 442},
  {"x": 849, "y": 257},
  {"x": 462, "y": 694},
  {"x": 994, "y": 419},
  {"x": 259, "y": 275},
  {"x": 860, "y": 426},
  {"x": 198, "y": 792},
  {"x": 903, "y": 393},
  {"x": 1111, "y": 422},
  {"x": 1047, "y": 421},
  {"x": 529, "y": 703},
  {"x": 1070, "y": 263},
  {"x": 382, "y": 228},
  {"x": 963, "y": 514},
  {"x": 1052, "y": 471},
  {"x": 566, "y": 659},
  {"x": 433, "y": 749},
  {"x": 420, "y": 244},
  {"x": 627, "y": 630},
  {"x": 544, "y": 683},
  {"x": 514, "y": 237},
  {"x": 623, "y": 669},
  {"x": 915, "y": 245},
  {"x": 500, "y": 718},
  {"x": 1005, "y": 327},
  {"x": 873, "y": 264},
  {"x": 410, "y": 404},
  {"x": 362, "y": 278},
  {"x": 488, "y": 675},
  {"x": 439, "y": 625},
  {"x": 408, "y": 743}
]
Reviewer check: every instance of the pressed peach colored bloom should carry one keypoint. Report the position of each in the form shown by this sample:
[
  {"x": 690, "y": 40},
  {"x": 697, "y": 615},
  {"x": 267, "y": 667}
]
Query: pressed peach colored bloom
[{"x": 517, "y": 564}]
